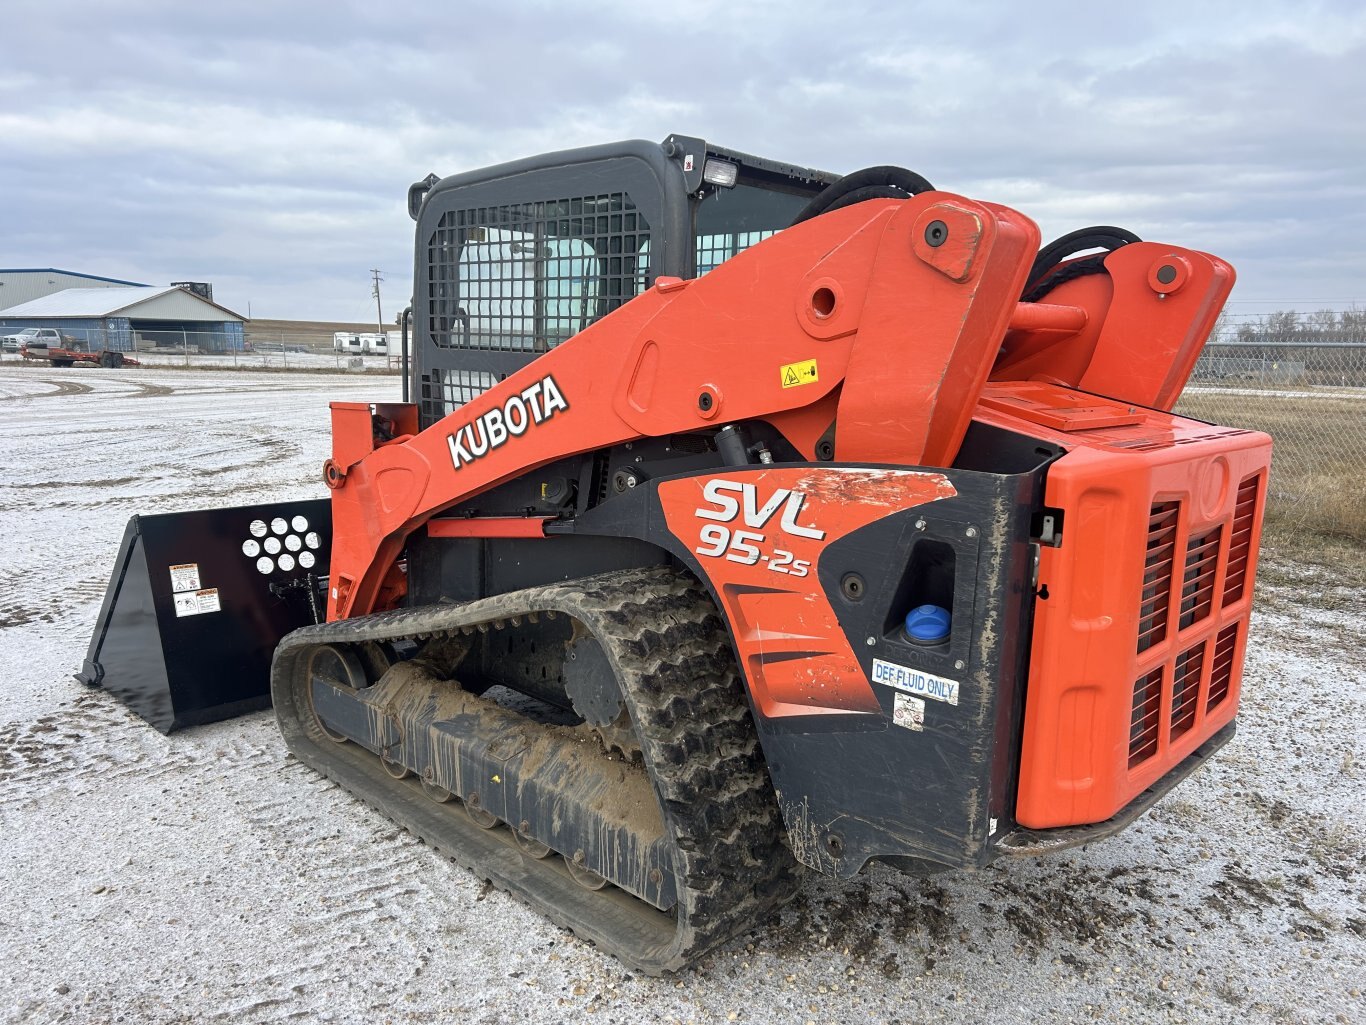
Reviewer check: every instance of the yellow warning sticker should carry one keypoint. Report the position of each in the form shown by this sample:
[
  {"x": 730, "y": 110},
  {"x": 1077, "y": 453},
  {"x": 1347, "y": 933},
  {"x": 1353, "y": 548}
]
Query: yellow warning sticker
[{"x": 804, "y": 372}]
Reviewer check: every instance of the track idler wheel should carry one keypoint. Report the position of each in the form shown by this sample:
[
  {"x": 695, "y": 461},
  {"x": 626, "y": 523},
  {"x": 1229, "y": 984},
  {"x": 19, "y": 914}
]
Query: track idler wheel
[
  {"x": 483, "y": 818},
  {"x": 585, "y": 877},
  {"x": 436, "y": 793},
  {"x": 338, "y": 666},
  {"x": 529, "y": 845}
]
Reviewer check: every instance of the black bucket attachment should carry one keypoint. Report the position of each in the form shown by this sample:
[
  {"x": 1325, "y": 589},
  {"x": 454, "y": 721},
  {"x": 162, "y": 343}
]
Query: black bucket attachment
[{"x": 197, "y": 603}]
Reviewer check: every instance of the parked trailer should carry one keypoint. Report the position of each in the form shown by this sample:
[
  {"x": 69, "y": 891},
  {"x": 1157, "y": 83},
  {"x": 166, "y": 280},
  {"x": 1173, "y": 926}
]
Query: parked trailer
[{"x": 70, "y": 357}]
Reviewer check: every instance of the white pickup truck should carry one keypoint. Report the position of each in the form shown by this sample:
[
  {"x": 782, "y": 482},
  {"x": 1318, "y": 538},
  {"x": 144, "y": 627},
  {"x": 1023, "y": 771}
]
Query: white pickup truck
[{"x": 36, "y": 337}]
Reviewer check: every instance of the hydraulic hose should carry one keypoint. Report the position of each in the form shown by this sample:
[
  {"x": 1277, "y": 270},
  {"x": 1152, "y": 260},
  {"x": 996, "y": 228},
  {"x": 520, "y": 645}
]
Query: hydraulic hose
[
  {"x": 882, "y": 182},
  {"x": 1044, "y": 276}
]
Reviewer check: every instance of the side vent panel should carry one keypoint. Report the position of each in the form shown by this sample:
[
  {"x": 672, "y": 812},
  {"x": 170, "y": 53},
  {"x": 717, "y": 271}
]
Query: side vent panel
[
  {"x": 1143, "y": 723},
  {"x": 1157, "y": 574},
  {"x": 1186, "y": 689},
  {"x": 1221, "y": 671},
  {"x": 1240, "y": 541},
  {"x": 1197, "y": 587}
]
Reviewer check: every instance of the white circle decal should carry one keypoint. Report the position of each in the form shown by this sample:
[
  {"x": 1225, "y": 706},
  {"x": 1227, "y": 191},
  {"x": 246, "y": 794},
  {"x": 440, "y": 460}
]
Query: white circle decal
[
  {"x": 251, "y": 549},
  {"x": 264, "y": 565},
  {"x": 286, "y": 562},
  {"x": 306, "y": 560},
  {"x": 258, "y": 528},
  {"x": 293, "y": 543},
  {"x": 299, "y": 523},
  {"x": 273, "y": 545},
  {"x": 278, "y": 525},
  {"x": 313, "y": 540}
]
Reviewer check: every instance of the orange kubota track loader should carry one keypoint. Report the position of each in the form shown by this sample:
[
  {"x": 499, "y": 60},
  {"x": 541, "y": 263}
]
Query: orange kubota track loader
[{"x": 744, "y": 517}]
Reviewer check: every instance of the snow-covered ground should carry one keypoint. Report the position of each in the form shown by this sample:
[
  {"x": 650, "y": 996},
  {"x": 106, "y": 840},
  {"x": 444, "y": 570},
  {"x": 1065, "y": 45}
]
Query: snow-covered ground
[{"x": 206, "y": 877}]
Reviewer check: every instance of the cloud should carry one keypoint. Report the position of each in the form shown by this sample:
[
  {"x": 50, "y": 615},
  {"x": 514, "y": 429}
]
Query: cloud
[{"x": 269, "y": 147}]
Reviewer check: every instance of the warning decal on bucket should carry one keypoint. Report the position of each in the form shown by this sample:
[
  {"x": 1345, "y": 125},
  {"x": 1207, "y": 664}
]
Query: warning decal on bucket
[
  {"x": 196, "y": 603},
  {"x": 185, "y": 578}
]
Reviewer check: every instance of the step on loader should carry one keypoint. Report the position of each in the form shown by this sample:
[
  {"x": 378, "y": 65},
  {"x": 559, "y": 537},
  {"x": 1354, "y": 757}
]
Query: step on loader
[{"x": 739, "y": 519}]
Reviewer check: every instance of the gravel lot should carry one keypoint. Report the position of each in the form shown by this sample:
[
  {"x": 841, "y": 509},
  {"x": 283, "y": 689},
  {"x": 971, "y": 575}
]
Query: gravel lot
[{"x": 206, "y": 877}]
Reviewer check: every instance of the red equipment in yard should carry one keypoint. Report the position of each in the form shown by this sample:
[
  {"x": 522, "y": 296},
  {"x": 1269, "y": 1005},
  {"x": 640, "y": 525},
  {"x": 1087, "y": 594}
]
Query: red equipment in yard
[
  {"x": 70, "y": 357},
  {"x": 745, "y": 518}
]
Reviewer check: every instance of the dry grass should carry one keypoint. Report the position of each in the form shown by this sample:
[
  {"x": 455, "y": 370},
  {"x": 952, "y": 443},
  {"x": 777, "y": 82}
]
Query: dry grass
[
  {"x": 1318, "y": 470},
  {"x": 1295, "y": 563}
]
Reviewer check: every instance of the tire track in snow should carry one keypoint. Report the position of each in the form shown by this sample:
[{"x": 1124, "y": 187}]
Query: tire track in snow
[
  {"x": 97, "y": 737},
  {"x": 369, "y": 873},
  {"x": 61, "y": 749}
]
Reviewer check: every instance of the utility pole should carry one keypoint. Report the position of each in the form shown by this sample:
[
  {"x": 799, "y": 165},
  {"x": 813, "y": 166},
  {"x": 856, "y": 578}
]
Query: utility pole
[{"x": 379, "y": 310}]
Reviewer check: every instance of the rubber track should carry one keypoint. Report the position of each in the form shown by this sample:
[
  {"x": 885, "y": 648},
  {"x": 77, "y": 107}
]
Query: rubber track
[{"x": 684, "y": 694}]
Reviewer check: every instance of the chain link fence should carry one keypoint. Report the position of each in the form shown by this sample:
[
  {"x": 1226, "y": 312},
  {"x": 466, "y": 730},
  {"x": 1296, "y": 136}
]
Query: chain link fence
[{"x": 1311, "y": 398}]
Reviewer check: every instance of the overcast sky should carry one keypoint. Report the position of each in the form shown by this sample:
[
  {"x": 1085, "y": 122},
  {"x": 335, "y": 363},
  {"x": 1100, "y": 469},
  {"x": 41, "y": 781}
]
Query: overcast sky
[{"x": 268, "y": 147}]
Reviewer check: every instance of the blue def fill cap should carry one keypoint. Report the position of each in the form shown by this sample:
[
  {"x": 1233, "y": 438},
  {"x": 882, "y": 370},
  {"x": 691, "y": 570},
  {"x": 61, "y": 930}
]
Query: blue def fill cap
[{"x": 928, "y": 624}]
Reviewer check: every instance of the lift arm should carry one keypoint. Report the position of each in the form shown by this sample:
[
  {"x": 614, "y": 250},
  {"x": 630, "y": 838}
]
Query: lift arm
[{"x": 884, "y": 318}]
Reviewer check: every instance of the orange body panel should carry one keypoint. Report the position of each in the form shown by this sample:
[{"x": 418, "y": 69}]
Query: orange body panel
[
  {"x": 753, "y": 531},
  {"x": 488, "y": 526},
  {"x": 1143, "y": 607}
]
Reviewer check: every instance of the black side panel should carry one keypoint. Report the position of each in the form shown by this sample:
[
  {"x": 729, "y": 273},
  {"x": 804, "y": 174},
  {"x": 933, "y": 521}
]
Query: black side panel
[
  {"x": 190, "y": 622},
  {"x": 932, "y": 775},
  {"x": 465, "y": 569}
]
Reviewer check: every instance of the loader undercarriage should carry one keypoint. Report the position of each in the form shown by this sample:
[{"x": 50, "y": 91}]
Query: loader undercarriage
[{"x": 653, "y": 865}]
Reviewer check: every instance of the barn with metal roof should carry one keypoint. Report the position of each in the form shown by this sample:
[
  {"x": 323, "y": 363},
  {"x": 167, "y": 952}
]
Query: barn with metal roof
[
  {"x": 122, "y": 318},
  {"x": 20, "y": 284}
]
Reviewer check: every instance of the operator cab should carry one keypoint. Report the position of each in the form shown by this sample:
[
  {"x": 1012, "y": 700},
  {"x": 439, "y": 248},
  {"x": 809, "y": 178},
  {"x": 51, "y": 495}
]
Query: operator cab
[{"x": 514, "y": 259}]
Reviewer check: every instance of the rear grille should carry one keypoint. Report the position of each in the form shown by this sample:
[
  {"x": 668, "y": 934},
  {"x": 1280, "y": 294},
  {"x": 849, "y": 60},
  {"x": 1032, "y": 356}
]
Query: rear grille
[
  {"x": 1179, "y": 682},
  {"x": 1240, "y": 541},
  {"x": 1197, "y": 588},
  {"x": 1221, "y": 671},
  {"x": 1143, "y": 721},
  {"x": 1186, "y": 689},
  {"x": 1157, "y": 574}
]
